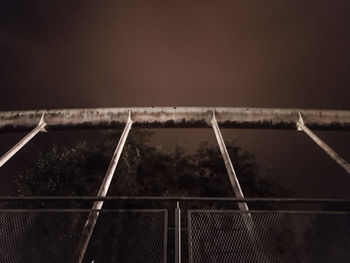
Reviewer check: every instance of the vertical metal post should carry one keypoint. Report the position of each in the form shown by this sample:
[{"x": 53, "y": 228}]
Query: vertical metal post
[
  {"x": 93, "y": 216},
  {"x": 336, "y": 157},
  {"x": 177, "y": 233},
  {"x": 229, "y": 167},
  {"x": 40, "y": 127}
]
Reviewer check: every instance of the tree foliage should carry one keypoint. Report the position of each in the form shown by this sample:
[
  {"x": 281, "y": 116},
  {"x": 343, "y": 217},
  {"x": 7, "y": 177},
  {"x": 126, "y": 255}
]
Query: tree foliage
[{"x": 143, "y": 170}]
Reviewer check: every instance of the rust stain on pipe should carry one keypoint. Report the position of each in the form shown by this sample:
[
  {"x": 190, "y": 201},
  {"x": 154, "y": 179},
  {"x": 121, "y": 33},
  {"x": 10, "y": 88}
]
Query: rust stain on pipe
[{"x": 181, "y": 117}]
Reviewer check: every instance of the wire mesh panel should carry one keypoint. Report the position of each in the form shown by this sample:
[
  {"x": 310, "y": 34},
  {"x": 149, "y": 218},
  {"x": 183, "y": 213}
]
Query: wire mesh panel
[
  {"x": 132, "y": 236},
  {"x": 39, "y": 236},
  {"x": 224, "y": 236},
  {"x": 52, "y": 236}
]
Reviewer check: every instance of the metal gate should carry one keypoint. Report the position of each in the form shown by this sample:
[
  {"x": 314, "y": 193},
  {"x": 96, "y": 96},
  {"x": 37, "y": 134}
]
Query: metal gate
[{"x": 288, "y": 236}]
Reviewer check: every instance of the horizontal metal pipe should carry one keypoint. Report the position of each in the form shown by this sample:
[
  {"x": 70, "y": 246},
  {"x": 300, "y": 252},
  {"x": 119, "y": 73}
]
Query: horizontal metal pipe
[
  {"x": 176, "y": 117},
  {"x": 171, "y": 198},
  {"x": 78, "y": 210},
  {"x": 72, "y": 210}
]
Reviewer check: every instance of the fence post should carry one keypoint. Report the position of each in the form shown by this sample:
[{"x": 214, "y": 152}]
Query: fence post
[{"x": 177, "y": 233}]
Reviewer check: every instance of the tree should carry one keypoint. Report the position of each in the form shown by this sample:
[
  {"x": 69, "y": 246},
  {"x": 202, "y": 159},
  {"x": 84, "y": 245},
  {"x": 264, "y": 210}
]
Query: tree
[{"x": 143, "y": 170}]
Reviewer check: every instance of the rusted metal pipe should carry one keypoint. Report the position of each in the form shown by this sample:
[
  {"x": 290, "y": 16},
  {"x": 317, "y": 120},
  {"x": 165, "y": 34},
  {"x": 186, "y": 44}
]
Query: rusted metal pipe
[
  {"x": 335, "y": 156},
  {"x": 93, "y": 216},
  {"x": 176, "y": 117},
  {"x": 40, "y": 127}
]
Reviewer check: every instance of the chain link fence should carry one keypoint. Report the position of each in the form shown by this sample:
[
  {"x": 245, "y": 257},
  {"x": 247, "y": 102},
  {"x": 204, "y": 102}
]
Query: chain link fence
[
  {"x": 132, "y": 236},
  {"x": 139, "y": 233},
  {"x": 223, "y": 236},
  {"x": 52, "y": 235}
]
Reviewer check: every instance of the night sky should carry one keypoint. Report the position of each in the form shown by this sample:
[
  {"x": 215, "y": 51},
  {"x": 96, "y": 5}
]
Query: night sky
[
  {"x": 272, "y": 53},
  {"x": 276, "y": 53}
]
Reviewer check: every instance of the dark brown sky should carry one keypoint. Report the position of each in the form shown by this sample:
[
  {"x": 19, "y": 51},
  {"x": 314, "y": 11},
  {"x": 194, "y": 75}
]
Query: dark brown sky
[
  {"x": 250, "y": 53},
  {"x": 268, "y": 53}
]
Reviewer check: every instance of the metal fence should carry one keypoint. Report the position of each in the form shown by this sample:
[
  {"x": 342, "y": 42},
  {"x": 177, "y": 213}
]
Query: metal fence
[
  {"x": 185, "y": 229},
  {"x": 289, "y": 236},
  {"x": 51, "y": 235}
]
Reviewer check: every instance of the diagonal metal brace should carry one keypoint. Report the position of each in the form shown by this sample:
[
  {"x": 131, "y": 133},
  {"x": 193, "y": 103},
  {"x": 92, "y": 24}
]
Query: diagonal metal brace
[
  {"x": 229, "y": 167},
  {"x": 335, "y": 156},
  {"x": 247, "y": 218},
  {"x": 40, "y": 127},
  {"x": 93, "y": 216}
]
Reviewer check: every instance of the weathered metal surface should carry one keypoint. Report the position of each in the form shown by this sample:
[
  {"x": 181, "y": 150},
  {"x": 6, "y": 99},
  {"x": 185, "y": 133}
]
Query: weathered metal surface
[
  {"x": 40, "y": 127},
  {"x": 176, "y": 117},
  {"x": 335, "y": 156},
  {"x": 93, "y": 216}
]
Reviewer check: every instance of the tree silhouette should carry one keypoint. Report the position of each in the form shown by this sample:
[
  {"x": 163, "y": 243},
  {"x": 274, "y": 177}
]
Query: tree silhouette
[{"x": 143, "y": 170}]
